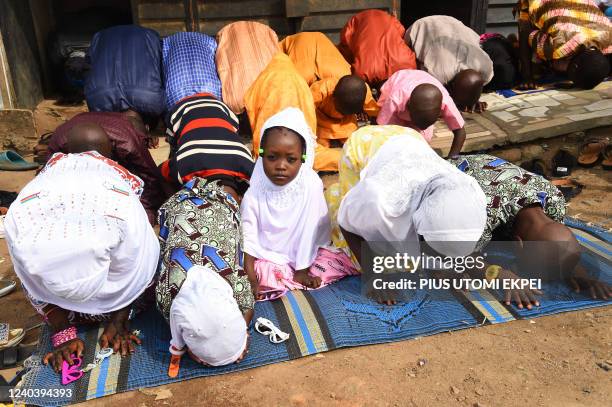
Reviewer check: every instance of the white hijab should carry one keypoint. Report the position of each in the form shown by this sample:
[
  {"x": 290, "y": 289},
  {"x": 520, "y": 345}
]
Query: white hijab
[
  {"x": 286, "y": 224},
  {"x": 407, "y": 190},
  {"x": 79, "y": 237}
]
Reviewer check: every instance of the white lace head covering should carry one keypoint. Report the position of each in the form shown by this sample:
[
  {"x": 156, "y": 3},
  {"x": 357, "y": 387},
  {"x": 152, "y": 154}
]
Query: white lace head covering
[
  {"x": 407, "y": 190},
  {"x": 286, "y": 224},
  {"x": 79, "y": 237}
]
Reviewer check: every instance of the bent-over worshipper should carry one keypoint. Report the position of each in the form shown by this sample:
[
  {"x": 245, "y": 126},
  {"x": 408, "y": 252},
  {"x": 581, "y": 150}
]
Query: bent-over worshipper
[{"x": 84, "y": 250}]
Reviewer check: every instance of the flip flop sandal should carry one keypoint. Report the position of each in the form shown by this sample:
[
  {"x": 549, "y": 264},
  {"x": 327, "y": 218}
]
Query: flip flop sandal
[
  {"x": 6, "y": 286},
  {"x": 44, "y": 139},
  {"x": 607, "y": 158},
  {"x": 11, "y": 161},
  {"x": 568, "y": 187},
  {"x": 40, "y": 150},
  {"x": 536, "y": 166},
  {"x": 563, "y": 163},
  {"x": 266, "y": 327},
  {"x": 9, "y": 358},
  {"x": 590, "y": 152},
  {"x": 16, "y": 355},
  {"x": 14, "y": 338}
]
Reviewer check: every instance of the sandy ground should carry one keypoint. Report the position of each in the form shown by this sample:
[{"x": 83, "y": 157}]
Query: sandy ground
[{"x": 551, "y": 361}]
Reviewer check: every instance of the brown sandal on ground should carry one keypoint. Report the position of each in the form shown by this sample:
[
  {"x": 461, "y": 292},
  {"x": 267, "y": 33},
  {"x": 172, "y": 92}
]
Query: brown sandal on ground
[
  {"x": 590, "y": 152},
  {"x": 607, "y": 158},
  {"x": 568, "y": 187}
]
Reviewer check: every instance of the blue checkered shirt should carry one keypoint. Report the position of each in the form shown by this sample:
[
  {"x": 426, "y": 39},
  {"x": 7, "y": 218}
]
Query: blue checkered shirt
[{"x": 189, "y": 66}]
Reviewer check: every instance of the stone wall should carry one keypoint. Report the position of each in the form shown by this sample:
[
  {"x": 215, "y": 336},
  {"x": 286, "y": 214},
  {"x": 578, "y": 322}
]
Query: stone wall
[{"x": 17, "y": 130}]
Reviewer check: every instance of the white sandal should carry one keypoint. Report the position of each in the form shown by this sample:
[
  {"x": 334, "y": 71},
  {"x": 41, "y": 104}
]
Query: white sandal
[
  {"x": 6, "y": 286},
  {"x": 266, "y": 327},
  {"x": 15, "y": 336}
]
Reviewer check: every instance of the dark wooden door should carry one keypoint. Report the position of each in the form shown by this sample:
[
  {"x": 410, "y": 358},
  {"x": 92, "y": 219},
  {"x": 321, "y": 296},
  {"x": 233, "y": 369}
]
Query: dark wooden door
[
  {"x": 284, "y": 16},
  {"x": 472, "y": 13}
]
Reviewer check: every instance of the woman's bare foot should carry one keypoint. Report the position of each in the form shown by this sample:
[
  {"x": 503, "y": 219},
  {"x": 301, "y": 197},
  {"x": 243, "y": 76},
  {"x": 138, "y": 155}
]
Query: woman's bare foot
[{"x": 302, "y": 277}]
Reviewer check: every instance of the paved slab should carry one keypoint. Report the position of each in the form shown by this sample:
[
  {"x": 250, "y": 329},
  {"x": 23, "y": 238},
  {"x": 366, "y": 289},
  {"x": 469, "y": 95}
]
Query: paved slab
[{"x": 532, "y": 116}]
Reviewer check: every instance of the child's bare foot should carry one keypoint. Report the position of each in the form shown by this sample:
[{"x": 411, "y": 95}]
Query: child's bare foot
[{"x": 302, "y": 277}]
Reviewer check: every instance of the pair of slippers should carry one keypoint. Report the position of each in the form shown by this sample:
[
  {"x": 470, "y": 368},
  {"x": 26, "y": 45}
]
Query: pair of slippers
[
  {"x": 563, "y": 164},
  {"x": 595, "y": 151}
]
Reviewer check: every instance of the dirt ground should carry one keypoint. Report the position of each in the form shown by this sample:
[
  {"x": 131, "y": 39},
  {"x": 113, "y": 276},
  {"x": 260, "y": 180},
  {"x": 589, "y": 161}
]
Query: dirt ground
[{"x": 550, "y": 361}]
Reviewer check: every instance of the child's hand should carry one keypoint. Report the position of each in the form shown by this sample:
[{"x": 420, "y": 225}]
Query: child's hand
[
  {"x": 581, "y": 280},
  {"x": 524, "y": 298},
  {"x": 248, "y": 316},
  {"x": 246, "y": 349}
]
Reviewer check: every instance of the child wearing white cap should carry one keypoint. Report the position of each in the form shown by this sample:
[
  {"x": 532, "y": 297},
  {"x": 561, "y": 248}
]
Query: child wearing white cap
[
  {"x": 202, "y": 289},
  {"x": 205, "y": 319}
]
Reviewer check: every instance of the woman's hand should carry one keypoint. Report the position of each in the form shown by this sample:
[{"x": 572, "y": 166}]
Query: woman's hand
[
  {"x": 64, "y": 352},
  {"x": 117, "y": 334}
]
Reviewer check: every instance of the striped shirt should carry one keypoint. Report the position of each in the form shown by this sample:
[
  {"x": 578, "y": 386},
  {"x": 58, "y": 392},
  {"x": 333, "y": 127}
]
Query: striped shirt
[
  {"x": 204, "y": 141},
  {"x": 562, "y": 26}
]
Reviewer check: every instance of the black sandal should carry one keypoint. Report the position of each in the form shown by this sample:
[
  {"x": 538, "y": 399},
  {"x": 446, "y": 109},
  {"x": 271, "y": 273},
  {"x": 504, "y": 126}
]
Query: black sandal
[
  {"x": 14, "y": 356},
  {"x": 535, "y": 166},
  {"x": 563, "y": 163}
]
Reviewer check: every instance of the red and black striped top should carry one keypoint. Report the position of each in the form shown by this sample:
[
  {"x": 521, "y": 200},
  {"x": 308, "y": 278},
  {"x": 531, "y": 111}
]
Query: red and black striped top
[{"x": 203, "y": 135}]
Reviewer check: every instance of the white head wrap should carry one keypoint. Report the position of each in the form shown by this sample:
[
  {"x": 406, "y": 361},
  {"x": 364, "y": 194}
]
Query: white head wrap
[
  {"x": 205, "y": 316},
  {"x": 407, "y": 190},
  {"x": 79, "y": 237},
  {"x": 286, "y": 224}
]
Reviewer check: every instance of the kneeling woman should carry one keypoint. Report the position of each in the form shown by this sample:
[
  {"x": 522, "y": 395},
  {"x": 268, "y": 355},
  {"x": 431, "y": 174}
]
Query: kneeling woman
[{"x": 83, "y": 248}]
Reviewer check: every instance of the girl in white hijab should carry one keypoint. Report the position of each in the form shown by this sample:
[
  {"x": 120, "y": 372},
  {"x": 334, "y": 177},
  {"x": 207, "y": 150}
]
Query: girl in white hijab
[{"x": 284, "y": 215}]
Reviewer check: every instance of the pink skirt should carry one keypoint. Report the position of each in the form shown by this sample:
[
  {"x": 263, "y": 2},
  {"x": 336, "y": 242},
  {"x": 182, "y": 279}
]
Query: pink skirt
[{"x": 275, "y": 280}]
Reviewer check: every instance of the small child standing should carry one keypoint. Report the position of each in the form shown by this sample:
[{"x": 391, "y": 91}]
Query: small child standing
[{"x": 285, "y": 221}]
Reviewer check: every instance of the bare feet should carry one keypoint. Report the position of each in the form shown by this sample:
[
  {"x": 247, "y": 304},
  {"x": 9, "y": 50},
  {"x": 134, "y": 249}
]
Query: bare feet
[
  {"x": 527, "y": 85},
  {"x": 302, "y": 277}
]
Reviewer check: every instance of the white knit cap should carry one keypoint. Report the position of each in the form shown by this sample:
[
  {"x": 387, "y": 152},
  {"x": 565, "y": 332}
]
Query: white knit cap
[{"x": 205, "y": 316}]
